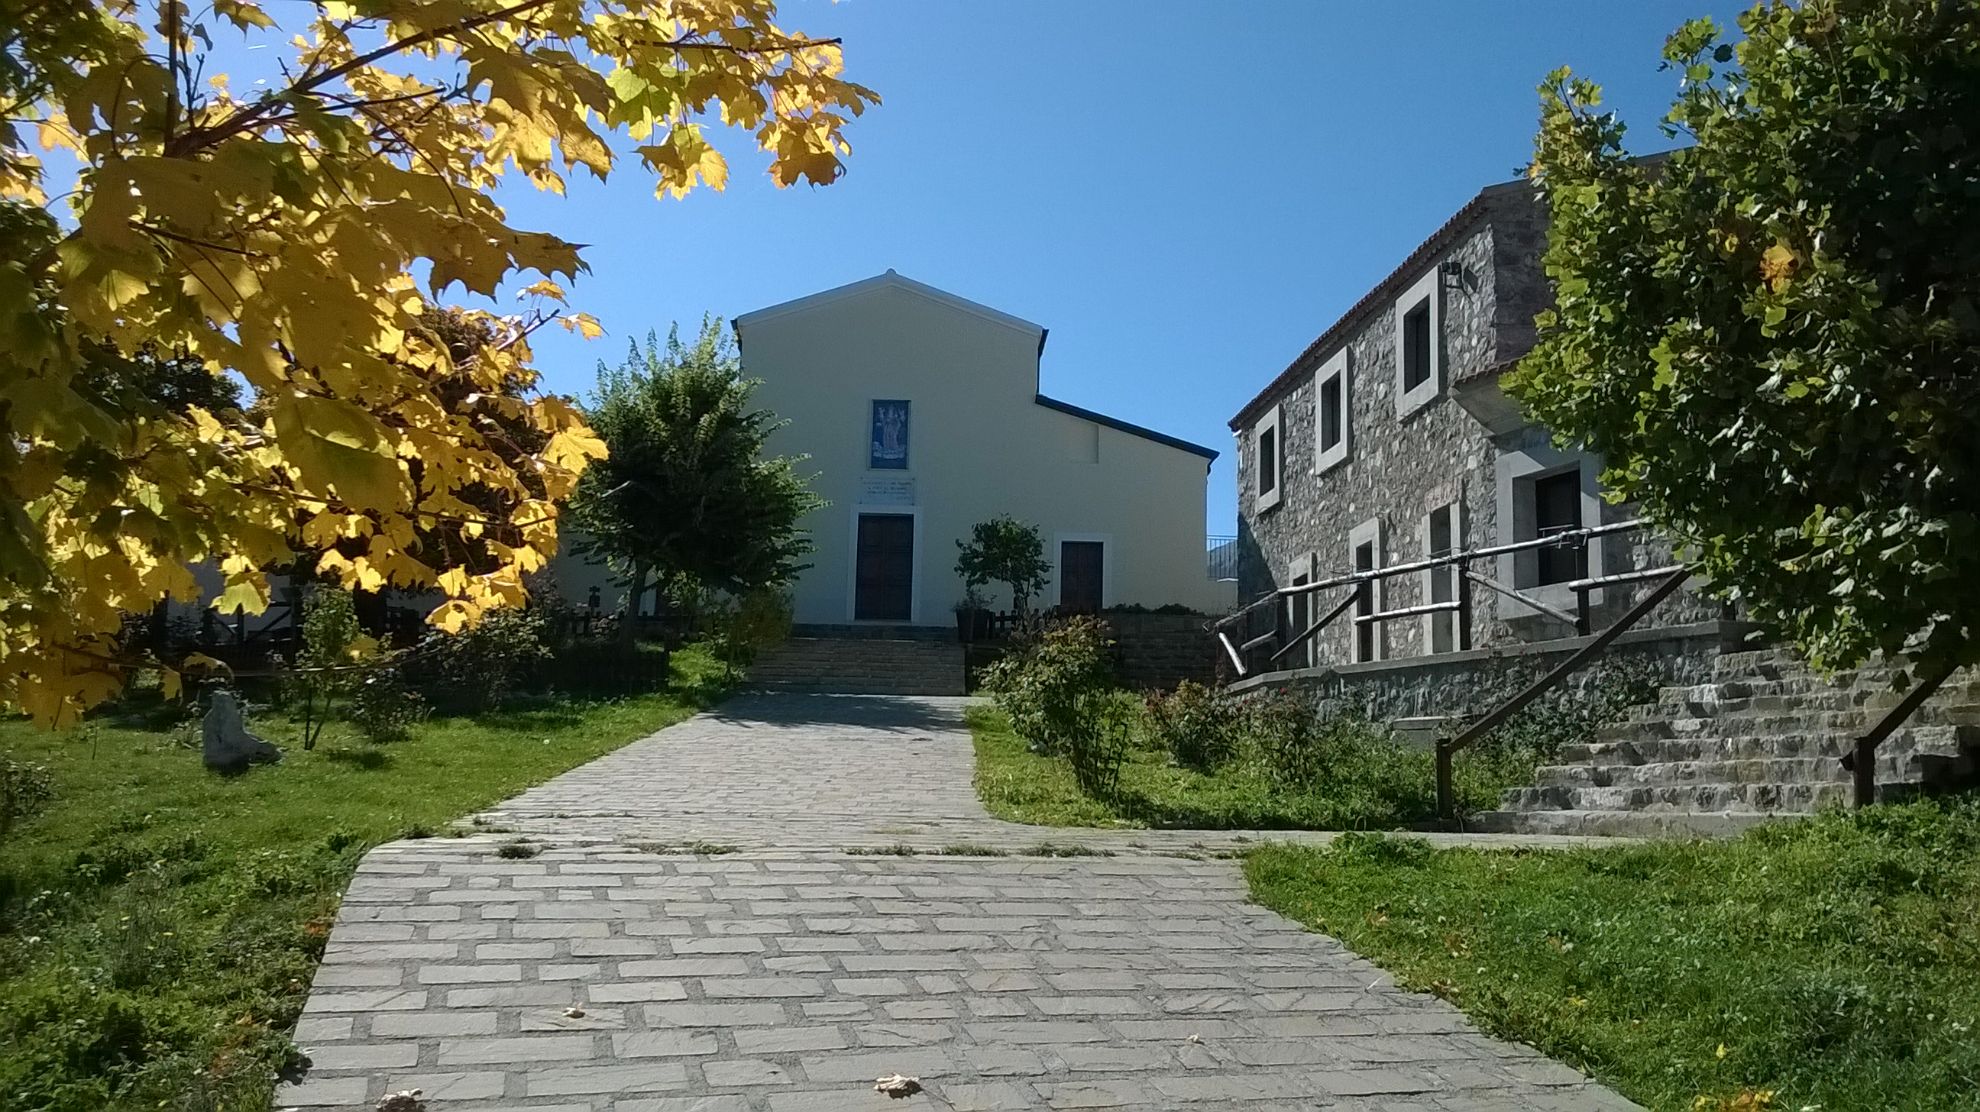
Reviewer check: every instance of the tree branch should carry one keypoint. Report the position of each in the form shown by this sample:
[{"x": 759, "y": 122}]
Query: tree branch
[
  {"x": 163, "y": 233},
  {"x": 248, "y": 117}
]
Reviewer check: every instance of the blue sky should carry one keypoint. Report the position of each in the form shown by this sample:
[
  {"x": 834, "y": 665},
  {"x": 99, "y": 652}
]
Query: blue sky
[{"x": 1185, "y": 195}]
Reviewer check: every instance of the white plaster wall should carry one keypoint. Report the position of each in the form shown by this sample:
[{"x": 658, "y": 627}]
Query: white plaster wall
[{"x": 979, "y": 445}]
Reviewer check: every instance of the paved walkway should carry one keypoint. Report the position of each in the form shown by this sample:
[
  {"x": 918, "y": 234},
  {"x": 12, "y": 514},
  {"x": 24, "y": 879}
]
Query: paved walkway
[{"x": 618, "y": 971}]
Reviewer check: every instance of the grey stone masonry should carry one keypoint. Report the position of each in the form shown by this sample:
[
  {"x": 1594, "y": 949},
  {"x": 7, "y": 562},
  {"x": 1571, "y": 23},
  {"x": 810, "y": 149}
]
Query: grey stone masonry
[
  {"x": 1404, "y": 462},
  {"x": 598, "y": 976}
]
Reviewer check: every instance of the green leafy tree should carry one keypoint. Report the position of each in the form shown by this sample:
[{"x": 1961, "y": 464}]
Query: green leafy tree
[
  {"x": 1772, "y": 335},
  {"x": 1004, "y": 550},
  {"x": 688, "y": 492}
]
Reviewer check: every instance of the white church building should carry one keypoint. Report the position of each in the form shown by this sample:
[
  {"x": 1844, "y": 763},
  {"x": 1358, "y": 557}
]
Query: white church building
[{"x": 921, "y": 414}]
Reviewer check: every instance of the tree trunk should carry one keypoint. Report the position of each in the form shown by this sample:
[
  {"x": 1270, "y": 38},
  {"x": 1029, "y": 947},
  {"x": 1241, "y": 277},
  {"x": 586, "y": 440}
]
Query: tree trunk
[{"x": 629, "y": 623}]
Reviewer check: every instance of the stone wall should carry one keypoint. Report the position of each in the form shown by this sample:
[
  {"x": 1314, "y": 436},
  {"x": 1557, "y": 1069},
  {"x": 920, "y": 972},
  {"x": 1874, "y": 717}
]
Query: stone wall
[
  {"x": 1467, "y": 684},
  {"x": 1162, "y": 650},
  {"x": 1150, "y": 651}
]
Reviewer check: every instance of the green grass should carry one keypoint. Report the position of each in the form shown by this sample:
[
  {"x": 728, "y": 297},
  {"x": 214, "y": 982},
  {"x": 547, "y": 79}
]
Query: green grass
[
  {"x": 1382, "y": 787},
  {"x": 159, "y": 924},
  {"x": 1834, "y": 962}
]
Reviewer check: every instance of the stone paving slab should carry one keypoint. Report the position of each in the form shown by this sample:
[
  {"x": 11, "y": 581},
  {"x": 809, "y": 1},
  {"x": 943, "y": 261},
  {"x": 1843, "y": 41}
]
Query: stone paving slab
[
  {"x": 790, "y": 980},
  {"x": 615, "y": 972}
]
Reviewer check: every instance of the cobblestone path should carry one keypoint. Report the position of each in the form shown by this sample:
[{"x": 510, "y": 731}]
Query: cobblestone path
[{"x": 628, "y": 967}]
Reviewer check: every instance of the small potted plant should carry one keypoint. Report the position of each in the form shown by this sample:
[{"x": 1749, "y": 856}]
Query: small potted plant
[{"x": 972, "y": 616}]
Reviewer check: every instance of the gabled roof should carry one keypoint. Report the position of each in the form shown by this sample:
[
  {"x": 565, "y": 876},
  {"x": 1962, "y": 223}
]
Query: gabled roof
[
  {"x": 1454, "y": 229},
  {"x": 892, "y": 280},
  {"x": 1130, "y": 428}
]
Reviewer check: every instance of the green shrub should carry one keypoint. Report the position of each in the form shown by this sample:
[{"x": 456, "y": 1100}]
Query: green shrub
[
  {"x": 1042, "y": 685},
  {"x": 1572, "y": 715},
  {"x": 24, "y": 790},
  {"x": 486, "y": 663},
  {"x": 1198, "y": 726},
  {"x": 747, "y": 625},
  {"x": 382, "y": 707},
  {"x": 332, "y": 640},
  {"x": 1098, "y": 740},
  {"x": 1285, "y": 732}
]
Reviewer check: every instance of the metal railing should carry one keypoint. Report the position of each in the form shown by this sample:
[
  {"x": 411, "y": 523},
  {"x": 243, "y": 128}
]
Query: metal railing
[
  {"x": 1220, "y": 557},
  {"x": 1860, "y": 760},
  {"x": 1359, "y": 586}
]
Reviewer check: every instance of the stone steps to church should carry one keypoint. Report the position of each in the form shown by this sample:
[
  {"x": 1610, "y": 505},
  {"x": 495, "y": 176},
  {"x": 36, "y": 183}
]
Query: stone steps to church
[{"x": 862, "y": 665}]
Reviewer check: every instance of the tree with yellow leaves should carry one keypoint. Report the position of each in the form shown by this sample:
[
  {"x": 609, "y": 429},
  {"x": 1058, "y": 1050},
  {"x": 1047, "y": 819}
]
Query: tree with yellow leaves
[{"x": 299, "y": 237}]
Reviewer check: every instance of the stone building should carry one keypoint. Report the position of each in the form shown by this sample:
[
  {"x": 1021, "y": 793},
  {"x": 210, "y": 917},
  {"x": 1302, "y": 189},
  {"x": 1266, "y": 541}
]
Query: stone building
[{"x": 1389, "y": 440}]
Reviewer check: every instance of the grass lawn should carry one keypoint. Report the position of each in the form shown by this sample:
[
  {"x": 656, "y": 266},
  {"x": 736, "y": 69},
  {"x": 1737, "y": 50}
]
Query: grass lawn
[
  {"x": 1385, "y": 788},
  {"x": 159, "y": 924},
  {"x": 1834, "y": 962}
]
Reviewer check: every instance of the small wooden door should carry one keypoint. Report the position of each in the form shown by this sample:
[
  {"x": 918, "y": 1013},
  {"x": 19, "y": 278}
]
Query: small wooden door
[
  {"x": 1081, "y": 565},
  {"x": 883, "y": 577}
]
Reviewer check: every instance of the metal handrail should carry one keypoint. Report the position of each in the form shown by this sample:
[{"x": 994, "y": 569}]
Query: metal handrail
[
  {"x": 1447, "y": 747},
  {"x": 1563, "y": 538},
  {"x": 1557, "y": 540}
]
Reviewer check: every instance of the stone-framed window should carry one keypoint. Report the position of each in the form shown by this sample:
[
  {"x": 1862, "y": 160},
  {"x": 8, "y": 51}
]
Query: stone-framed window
[
  {"x": 1442, "y": 534},
  {"x": 1541, "y": 491},
  {"x": 1333, "y": 414},
  {"x": 1300, "y": 611},
  {"x": 1268, "y": 462},
  {"x": 1419, "y": 344},
  {"x": 1365, "y": 554}
]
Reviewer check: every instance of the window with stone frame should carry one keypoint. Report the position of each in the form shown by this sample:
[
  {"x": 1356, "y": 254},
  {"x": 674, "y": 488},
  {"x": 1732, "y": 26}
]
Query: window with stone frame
[
  {"x": 1543, "y": 491},
  {"x": 1557, "y": 509},
  {"x": 1419, "y": 343},
  {"x": 1268, "y": 462},
  {"x": 1365, "y": 554},
  {"x": 1442, "y": 536},
  {"x": 1333, "y": 416},
  {"x": 1416, "y": 346},
  {"x": 1300, "y": 614}
]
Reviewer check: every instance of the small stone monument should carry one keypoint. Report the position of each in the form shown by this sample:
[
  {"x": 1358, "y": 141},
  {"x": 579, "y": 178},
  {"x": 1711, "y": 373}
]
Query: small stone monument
[{"x": 225, "y": 742}]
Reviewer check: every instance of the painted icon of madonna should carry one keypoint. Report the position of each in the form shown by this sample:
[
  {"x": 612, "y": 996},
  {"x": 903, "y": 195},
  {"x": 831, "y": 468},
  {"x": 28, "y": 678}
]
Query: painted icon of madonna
[{"x": 890, "y": 436}]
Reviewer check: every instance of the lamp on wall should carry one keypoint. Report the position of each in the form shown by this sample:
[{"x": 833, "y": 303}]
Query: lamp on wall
[{"x": 1452, "y": 274}]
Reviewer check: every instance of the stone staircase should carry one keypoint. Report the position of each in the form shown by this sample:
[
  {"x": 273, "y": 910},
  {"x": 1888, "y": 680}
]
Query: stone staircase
[
  {"x": 1763, "y": 740},
  {"x": 865, "y": 662}
]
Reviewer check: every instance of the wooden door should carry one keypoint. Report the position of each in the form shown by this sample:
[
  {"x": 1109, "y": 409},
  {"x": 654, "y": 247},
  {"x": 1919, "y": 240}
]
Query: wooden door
[
  {"x": 883, "y": 583},
  {"x": 1081, "y": 566}
]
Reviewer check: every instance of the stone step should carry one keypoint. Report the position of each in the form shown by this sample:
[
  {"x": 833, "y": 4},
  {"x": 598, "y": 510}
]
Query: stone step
[
  {"x": 1909, "y": 767},
  {"x": 1622, "y": 824},
  {"x": 1949, "y": 741},
  {"x": 1849, "y": 723},
  {"x": 1754, "y": 664},
  {"x": 882, "y": 686},
  {"x": 854, "y": 633},
  {"x": 1764, "y": 798},
  {"x": 1764, "y": 738},
  {"x": 1778, "y": 696},
  {"x": 862, "y": 665}
]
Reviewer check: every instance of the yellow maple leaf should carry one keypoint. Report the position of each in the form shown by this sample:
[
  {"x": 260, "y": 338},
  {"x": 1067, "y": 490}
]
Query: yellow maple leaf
[
  {"x": 574, "y": 448},
  {"x": 1777, "y": 266}
]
